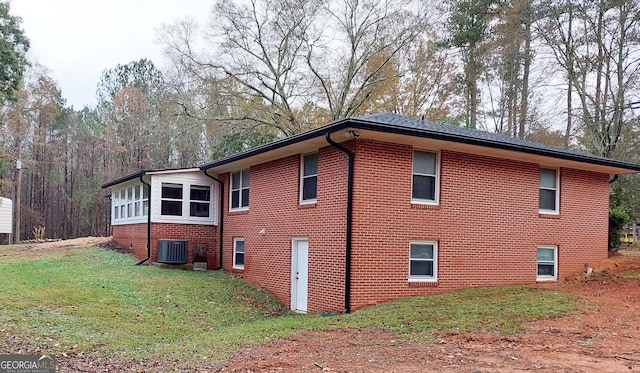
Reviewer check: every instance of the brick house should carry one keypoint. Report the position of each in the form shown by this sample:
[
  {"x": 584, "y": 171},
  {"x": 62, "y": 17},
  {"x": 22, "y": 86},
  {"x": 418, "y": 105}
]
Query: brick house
[
  {"x": 183, "y": 208},
  {"x": 380, "y": 207}
]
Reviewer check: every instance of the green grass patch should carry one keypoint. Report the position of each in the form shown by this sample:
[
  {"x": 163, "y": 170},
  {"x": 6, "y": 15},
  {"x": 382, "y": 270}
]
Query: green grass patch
[
  {"x": 631, "y": 273},
  {"x": 96, "y": 301},
  {"x": 500, "y": 310}
]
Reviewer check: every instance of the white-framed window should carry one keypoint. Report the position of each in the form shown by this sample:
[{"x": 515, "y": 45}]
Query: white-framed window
[
  {"x": 122, "y": 203},
  {"x": 200, "y": 201},
  {"x": 547, "y": 259},
  {"x": 423, "y": 261},
  {"x": 239, "y": 190},
  {"x": 238, "y": 253},
  {"x": 425, "y": 177},
  {"x": 137, "y": 205},
  {"x": 145, "y": 200},
  {"x": 308, "y": 178},
  {"x": 185, "y": 199},
  {"x": 171, "y": 203},
  {"x": 130, "y": 203},
  {"x": 549, "y": 195}
]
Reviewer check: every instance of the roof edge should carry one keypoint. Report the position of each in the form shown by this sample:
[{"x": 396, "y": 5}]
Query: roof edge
[
  {"x": 138, "y": 174},
  {"x": 560, "y": 153},
  {"x": 317, "y": 132},
  {"x": 372, "y": 125},
  {"x": 123, "y": 179}
]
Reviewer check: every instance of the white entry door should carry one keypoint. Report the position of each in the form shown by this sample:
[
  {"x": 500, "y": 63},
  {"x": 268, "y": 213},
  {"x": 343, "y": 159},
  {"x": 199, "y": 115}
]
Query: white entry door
[{"x": 299, "y": 274}]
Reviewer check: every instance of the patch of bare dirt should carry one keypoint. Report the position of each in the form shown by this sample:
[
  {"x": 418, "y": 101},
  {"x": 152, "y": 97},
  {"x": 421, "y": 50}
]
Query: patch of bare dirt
[
  {"x": 605, "y": 338},
  {"x": 36, "y": 248}
]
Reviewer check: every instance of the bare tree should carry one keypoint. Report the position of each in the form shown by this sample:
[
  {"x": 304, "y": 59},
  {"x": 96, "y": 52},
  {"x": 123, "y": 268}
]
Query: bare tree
[
  {"x": 301, "y": 62},
  {"x": 427, "y": 87},
  {"x": 597, "y": 44},
  {"x": 354, "y": 43},
  {"x": 257, "y": 46}
]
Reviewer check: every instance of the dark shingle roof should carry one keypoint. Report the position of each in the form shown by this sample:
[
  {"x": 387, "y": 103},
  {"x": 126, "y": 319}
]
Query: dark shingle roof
[
  {"x": 398, "y": 124},
  {"x": 135, "y": 175},
  {"x": 139, "y": 174},
  {"x": 485, "y": 138},
  {"x": 461, "y": 132}
]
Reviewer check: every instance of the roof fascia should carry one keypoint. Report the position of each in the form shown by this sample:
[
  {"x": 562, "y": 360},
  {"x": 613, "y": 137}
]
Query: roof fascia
[
  {"x": 425, "y": 133},
  {"x": 175, "y": 171},
  {"x": 318, "y": 132},
  {"x": 124, "y": 179},
  {"x": 138, "y": 174},
  {"x": 583, "y": 158}
]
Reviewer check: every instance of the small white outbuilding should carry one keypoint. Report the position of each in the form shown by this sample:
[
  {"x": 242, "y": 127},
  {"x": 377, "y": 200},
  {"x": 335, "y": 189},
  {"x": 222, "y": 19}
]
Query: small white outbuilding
[{"x": 6, "y": 215}]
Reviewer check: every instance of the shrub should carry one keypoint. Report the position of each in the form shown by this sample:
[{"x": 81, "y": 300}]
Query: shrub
[{"x": 618, "y": 218}]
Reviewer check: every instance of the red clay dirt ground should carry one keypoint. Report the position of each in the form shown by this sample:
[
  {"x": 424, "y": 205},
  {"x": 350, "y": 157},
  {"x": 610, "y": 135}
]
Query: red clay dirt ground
[{"x": 604, "y": 338}]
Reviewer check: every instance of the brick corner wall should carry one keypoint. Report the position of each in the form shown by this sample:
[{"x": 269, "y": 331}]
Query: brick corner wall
[{"x": 134, "y": 236}]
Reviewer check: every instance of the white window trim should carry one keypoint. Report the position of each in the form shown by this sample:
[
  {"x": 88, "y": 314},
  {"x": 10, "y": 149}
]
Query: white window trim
[
  {"x": 436, "y": 200},
  {"x": 186, "y": 201},
  {"x": 433, "y": 278},
  {"x": 241, "y": 208},
  {"x": 555, "y": 264},
  {"x": 557, "y": 189},
  {"x": 189, "y": 201},
  {"x": 302, "y": 177},
  {"x": 123, "y": 204},
  {"x": 235, "y": 242},
  {"x": 181, "y": 199},
  {"x": 187, "y": 180}
]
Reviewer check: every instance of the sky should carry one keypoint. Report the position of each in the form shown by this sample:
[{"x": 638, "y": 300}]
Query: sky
[{"x": 78, "y": 39}]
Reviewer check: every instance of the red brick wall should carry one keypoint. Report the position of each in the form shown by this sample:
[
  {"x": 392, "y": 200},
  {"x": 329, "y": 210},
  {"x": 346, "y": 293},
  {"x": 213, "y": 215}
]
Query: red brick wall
[
  {"x": 487, "y": 224},
  {"x": 274, "y": 206},
  {"x": 135, "y": 236}
]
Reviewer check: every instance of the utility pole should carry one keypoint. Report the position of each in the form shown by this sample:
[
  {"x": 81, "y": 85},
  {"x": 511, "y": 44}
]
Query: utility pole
[{"x": 16, "y": 208}]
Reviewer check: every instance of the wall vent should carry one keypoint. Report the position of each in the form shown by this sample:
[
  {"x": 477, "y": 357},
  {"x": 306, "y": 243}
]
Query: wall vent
[{"x": 172, "y": 251}]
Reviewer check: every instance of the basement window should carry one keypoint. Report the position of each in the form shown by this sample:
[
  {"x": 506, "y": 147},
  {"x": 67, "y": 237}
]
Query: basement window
[
  {"x": 238, "y": 253},
  {"x": 423, "y": 261},
  {"x": 547, "y": 263}
]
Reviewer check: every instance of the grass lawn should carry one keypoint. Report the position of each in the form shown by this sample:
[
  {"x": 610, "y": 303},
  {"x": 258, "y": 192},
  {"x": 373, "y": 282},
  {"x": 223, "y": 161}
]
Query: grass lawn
[
  {"x": 95, "y": 301},
  {"x": 631, "y": 273}
]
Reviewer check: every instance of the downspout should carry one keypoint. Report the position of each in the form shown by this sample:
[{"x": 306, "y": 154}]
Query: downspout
[
  {"x": 221, "y": 212},
  {"x": 148, "y": 221},
  {"x": 347, "y": 261}
]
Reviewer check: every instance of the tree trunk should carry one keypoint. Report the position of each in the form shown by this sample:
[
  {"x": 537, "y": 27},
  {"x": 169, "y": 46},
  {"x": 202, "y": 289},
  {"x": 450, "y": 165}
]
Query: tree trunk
[
  {"x": 18, "y": 203},
  {"x": 524, "y": 99},
  {"x": 471, "y": 77},
  {"x": 569, "y": 53},
  {"x": 598, "y": 119}
]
